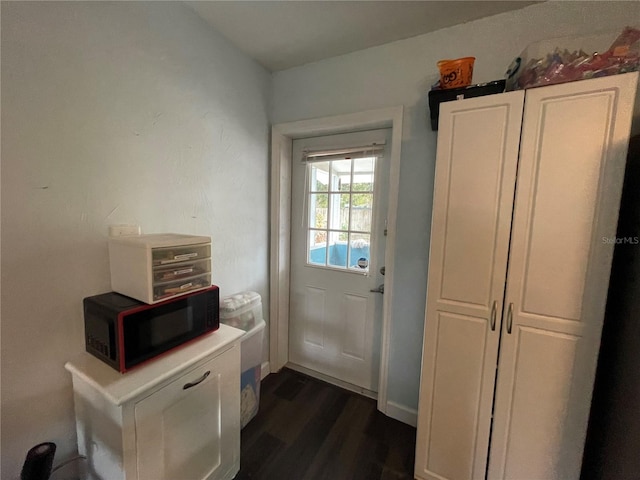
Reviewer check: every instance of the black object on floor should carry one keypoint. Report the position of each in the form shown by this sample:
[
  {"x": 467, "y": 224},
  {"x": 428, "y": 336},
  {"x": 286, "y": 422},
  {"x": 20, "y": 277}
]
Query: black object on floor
[
  {"x": 307, "y": 429},
  {"x": 38, "y": 463}
]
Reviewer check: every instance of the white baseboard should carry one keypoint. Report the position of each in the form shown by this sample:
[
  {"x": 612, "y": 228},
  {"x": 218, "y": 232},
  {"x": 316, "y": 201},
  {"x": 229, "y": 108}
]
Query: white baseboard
[
  {"x": 394, "y": 410},
  {"x": 333, "y": 381},
  {"x": 401, "y": 413},
  {"x": 265, "y": 370}
]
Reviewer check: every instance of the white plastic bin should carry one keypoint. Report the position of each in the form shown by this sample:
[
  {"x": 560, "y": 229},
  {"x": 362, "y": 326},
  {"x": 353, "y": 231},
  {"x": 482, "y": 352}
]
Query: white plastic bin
[
  {"x": 244, "y": 310},
  {"x": 251, "y": 367},
  {"x": 241, "y": 310}
]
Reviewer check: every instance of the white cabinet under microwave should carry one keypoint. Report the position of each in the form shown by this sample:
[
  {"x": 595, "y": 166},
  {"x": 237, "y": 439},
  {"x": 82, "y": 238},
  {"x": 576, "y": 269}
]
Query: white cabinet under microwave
[
  {"x": 177, "y": 417},
  {"x": 156, "y": 267}
]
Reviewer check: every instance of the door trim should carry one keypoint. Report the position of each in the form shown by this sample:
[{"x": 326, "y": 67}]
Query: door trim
[{"x": 282, "y": 136}]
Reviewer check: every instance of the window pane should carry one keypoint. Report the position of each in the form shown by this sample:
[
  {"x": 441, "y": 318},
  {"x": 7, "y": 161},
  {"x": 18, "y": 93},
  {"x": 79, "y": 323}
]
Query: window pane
[
  {"x": 361, "y": 212},
  {"x": 338, "y": 249},
  {"x": 340, "y": 175},
  {"x": 318, "y": 210},
  {"x": 345, "y": 183},
  {"x": 359, "y": 251},
  {"x": 317, "y": 247},
  {"x": 319, "y": 177},
  {"x": 345, "y": 203},
  {"x": 339, "y": 211},
  {"x": 363, "y": 174}
]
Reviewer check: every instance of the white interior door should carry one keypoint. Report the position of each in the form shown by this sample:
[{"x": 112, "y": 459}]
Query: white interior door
[
  {"x": 338, "y": 217},
  {"x": 474, "y": 183},
  {"x": 571, "y": 166}
]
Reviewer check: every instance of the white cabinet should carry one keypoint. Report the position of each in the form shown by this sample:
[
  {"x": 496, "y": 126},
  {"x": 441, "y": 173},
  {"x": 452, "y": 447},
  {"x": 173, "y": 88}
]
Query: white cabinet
[
  {"x": 527, "y": 186},
  {"x": 175, "y": 418}
]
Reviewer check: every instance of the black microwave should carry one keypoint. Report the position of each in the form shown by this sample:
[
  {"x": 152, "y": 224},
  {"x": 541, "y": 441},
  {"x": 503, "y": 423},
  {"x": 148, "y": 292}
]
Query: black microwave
[{"x": 123, "y": 332}]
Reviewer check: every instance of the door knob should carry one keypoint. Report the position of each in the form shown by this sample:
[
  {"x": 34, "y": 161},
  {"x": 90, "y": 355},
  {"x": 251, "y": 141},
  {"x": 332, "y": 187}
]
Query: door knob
[{"x": 380, "y": 289}]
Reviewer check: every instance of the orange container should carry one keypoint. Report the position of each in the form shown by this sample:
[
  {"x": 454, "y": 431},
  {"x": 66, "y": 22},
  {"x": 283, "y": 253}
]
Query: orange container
[{"x": 456, "y": 73}]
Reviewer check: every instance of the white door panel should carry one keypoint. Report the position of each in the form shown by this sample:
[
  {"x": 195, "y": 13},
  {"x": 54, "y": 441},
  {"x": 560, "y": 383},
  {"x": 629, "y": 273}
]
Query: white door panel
[
  {"x": 563, "y": 203},
  {"x": 543, "y": 362},
  {"x": 335, "y": 319},
  {"x": 354, "y": 325},
  {"x": 315, "y": 316},
  {"x": 473, "y": 197},
  {"x": 457, "y": 388}
]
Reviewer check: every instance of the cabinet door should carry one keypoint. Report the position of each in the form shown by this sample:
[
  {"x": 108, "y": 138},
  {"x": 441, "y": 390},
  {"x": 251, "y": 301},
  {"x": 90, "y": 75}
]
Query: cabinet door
[
  {"x": 190, "y": 429},
  {"x": 473, "y": 197},
  {"x": 571, "y": 167}
]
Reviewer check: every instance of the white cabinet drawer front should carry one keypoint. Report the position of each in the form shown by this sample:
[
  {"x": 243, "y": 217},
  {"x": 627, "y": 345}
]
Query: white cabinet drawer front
[
  {"x": 167, "y": 256},
  {"x": 178, "y": 271},
  {"x": 179, "y": 428},
  {"x": 181, "y": 286}
]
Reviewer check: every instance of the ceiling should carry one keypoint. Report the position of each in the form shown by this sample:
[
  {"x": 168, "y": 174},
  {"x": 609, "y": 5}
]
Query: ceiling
[{"x": 285, "y": 34}]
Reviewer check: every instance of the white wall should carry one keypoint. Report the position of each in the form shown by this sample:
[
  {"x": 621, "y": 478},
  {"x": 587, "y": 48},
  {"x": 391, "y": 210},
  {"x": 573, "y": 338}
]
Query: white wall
[
  {"x": 401, "y": 73},
  {"x": 114, "y": 113}
]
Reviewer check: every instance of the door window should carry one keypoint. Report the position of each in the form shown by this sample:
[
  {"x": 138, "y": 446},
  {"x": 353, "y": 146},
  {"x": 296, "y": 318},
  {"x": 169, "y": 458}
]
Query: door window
[{"x": 339, "y": 213}]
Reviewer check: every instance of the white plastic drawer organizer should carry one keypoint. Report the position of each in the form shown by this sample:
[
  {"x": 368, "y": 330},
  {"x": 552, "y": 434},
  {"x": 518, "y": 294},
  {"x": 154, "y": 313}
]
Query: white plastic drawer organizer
[{"x": 155, "y": 267}]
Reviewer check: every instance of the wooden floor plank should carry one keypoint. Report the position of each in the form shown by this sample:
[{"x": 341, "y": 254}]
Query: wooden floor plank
[
  {"x": 307, "y": 429},
  {"x": 336, "y": 457},
  {"x": 259, "y": 455},
  {"x": 308, "y": 404},
  {"x": 300, "y": 453}
]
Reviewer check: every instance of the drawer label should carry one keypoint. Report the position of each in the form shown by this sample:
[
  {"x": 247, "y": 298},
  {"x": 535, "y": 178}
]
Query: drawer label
[
  {"x": 184, "y": 256},
  {"x": 183, "y": 271}
]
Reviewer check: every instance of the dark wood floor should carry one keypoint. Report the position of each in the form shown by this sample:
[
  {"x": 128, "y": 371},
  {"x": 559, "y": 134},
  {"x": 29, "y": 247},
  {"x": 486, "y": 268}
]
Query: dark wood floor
[{"x": 307, "y": 429}]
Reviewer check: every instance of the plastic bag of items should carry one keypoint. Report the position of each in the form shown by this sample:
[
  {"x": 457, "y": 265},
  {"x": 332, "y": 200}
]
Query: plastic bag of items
[{"x": 579, "y": 58}]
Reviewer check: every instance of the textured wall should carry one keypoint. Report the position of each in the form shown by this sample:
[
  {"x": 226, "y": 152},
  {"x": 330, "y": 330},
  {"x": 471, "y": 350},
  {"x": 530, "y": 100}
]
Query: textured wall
[
  {"x": 401, "y": 73},
  {"x": 122, "y": 112}
]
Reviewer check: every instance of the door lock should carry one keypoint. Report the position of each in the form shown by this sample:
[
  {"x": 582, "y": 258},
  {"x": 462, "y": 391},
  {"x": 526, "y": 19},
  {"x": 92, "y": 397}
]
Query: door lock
[
  {"x": 380, "y": 289},
  {"x": 382, "y": 270}
]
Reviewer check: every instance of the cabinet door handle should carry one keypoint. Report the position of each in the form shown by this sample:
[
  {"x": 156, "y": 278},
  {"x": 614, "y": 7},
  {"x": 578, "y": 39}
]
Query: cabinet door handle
[
  {"x": 198, "y": 381},
  {"x": 510, "y": 318},
  {"x": 493, "y": 315}
]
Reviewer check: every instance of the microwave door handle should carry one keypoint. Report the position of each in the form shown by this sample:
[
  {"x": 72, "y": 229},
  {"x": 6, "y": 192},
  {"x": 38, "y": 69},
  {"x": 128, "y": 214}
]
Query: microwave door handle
[{"x": 198, "y": 381}]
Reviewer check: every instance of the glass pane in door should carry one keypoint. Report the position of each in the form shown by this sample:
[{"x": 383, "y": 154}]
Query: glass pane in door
[{"x": 340, "y": 207}]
